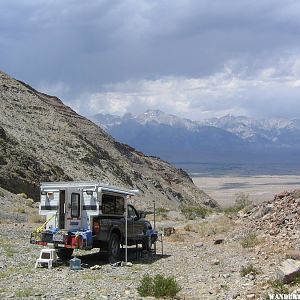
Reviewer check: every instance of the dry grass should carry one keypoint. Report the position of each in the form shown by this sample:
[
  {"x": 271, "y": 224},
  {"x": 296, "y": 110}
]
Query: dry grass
[
  {"x": 161, "y": 211},
  {"x": 23, "y": 195},
  {"x": 219, "y": 225},
  {"x": 27, "y": 293},
  {"x": 190, "y": 228},
  {"x": 93, "y": 276},
  {"x": 160, "y": 218},
  {"x": 30, "y": 202},
  {"x": 176, "y": 237},
  {"x": 250, "y": 269},
  {"x": 250, "y": 240},
  {"x": 35, "y": 218},
  {"x": 20, "y": 210}
]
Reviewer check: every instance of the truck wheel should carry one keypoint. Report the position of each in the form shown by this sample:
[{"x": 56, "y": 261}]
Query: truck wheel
[
  {"x": 64, "y": 253},
  {"x": 114, "y": 248}
]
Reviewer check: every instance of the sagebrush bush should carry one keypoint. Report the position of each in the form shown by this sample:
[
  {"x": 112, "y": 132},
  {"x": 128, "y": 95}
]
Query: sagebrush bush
[
  {"x": 189, "y": 227},
  {"x": 23, "y": 195},
  {"x": 145, "y": 288},
  {"x": 250, "y": 269},
  {"x": 250, "y": 240},
  {"x": 158, "y": 286},
  {"x": 161, "y": 211},
  {"x": 241, "y": 202},
  {"x": 193, "y": 212},
  {"x": 30, "y": 202}
]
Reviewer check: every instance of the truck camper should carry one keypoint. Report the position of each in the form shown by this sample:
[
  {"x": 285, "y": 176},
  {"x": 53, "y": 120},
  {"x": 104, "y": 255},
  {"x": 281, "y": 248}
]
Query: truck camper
[{"x": 86, "y": 215}]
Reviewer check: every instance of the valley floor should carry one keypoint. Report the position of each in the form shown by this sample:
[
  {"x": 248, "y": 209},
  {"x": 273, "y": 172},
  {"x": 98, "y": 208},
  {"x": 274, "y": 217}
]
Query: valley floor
[{"x": 259, "y": 188}]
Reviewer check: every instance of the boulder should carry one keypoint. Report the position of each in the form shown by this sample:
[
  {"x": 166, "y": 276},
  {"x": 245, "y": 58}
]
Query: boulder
[
  {"x": 219, "y": 241},
  {"x": 215, "y": 262},
  {"x": 169, "y": 230},
  {"x": 288, "y": 270},
  {"x": 293, "y": 254},
  {"x": 262, "y": 211},
  {"x": 198, "y": 245}
]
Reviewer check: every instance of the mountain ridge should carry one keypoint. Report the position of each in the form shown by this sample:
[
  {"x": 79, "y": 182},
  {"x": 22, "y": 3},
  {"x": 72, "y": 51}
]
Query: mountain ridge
[{"x": 240, "y": 138}]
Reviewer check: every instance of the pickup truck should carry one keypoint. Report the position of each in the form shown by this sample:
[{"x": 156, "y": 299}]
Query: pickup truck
[{"x": 87, "y": 215}]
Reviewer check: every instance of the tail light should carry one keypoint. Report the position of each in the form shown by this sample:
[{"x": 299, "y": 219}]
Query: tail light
[{"x": 96, "y": 226}]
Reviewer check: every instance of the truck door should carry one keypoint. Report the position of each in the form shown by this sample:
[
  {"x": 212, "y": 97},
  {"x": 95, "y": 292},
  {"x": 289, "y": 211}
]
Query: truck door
[
  {"x": 73, "y": 206},
  {"x": 130, "y": 221},
  {"x": 135, "y": 228}
]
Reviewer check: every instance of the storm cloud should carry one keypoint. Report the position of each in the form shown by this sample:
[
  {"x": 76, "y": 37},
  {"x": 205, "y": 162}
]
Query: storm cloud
[{"x": 193, "y": 58}]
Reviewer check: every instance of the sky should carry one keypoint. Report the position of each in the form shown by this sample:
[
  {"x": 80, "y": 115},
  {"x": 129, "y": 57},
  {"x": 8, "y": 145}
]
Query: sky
[{"x": 193, "y": 58}]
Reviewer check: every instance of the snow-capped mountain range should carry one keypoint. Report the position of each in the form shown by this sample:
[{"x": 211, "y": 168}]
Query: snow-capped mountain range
[
  {"x": 172, "y": 137},
  {"x": 247, "y": 128},
  {"x": 272, "y": 130}
]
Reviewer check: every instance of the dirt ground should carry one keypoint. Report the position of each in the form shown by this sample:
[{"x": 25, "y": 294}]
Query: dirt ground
[
  {"x": 204, "y": 269},
  {"x": 259, "y": 188},
  {"x": 219, "y": 257}
]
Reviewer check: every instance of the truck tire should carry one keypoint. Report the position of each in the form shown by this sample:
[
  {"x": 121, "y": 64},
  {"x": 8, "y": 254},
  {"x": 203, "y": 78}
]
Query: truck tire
[
  {"x": 64, "y": 253},
  {"x": 114, "y": 248}
]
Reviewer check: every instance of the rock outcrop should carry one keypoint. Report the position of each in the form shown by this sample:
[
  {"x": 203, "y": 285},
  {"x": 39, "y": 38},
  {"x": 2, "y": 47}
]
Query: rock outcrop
[
  {"x": 288, "y": 270},
  {"x": 41, "y": 139},
  {"x": 278, "y": 216}
]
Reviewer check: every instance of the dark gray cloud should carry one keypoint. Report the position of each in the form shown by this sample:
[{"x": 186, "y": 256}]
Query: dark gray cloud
[{"x": 89, "y": 50}]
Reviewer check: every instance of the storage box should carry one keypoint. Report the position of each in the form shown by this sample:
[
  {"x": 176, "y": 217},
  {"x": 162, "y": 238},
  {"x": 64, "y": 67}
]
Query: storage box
[
  {"x": 67, "y": 240},
  {"x": 75, "y": 264},
  {"x": 76, "y": 241}
]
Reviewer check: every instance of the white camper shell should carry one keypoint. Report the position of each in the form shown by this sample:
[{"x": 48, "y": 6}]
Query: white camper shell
[{"x": 71, "y": 206}]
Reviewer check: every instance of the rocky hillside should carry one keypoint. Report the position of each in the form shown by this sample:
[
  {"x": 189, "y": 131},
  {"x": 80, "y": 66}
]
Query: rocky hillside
[
  {"x": 277, "y": 217},
  {"x": 41, "y": 139}
]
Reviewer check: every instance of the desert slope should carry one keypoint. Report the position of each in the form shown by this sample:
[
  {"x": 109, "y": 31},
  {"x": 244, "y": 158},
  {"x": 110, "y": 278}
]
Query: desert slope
[{"x": 41, "y": 139}]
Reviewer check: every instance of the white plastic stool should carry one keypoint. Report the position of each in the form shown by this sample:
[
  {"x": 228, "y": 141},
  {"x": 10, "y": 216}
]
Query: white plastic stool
[{"x": 47, "y": 256}]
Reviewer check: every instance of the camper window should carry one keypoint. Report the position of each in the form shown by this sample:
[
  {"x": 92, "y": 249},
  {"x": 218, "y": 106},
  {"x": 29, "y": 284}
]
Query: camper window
[
  {"x": 75, "y": 205},
  {"x": 112, "y": 205}
]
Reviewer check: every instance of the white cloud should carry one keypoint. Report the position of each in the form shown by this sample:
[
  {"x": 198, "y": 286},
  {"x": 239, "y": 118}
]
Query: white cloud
[
  {"x": 272, "y": 90},
  {"x": 59, "y": 89}
]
